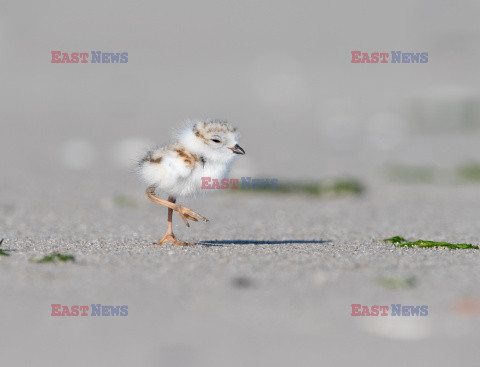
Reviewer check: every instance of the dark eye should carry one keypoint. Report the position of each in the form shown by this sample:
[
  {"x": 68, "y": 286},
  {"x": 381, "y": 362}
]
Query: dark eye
[{"x": 215, "y": 140}]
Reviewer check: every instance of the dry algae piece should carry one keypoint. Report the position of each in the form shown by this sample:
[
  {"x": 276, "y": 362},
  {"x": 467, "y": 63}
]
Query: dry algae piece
[{"x": 402, "y": 242}]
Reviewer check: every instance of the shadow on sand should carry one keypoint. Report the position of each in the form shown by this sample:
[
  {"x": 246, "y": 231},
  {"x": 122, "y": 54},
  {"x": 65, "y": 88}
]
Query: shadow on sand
[{"x": 253, "y": 242}]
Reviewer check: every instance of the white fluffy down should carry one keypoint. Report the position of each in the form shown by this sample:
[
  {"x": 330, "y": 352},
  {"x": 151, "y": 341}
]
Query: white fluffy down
[{"x": 174, "y": 177}]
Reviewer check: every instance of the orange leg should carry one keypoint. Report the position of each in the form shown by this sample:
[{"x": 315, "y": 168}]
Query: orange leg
[{"x": 184, "y": 213}]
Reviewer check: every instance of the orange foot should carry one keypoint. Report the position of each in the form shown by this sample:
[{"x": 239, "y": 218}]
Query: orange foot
[{"x": 174, "y": 241}]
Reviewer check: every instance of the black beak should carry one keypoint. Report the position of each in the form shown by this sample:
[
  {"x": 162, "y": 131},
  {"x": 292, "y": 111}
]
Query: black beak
[{"x": 237, "y": 149}]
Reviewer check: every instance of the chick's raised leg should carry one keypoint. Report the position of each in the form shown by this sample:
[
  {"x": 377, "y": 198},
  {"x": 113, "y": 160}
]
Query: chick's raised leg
[{"x": 182, "y": 211}]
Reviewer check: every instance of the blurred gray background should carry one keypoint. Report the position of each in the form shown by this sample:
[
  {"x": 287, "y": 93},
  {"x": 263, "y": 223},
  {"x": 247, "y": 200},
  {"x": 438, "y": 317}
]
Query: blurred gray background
[
  {"x": 280, "y": 71},
  {"x": 274, "y": 286}
]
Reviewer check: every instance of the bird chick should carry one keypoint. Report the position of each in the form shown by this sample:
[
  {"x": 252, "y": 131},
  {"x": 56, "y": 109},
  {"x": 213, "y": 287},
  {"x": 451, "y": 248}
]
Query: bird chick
[{"x": 204, "y": 149}]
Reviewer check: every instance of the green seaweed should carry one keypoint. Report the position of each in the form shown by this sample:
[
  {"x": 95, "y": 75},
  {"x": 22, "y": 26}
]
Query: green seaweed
[
  {"x": 402, "y": 242},
  {"x": 469, "y": 172},
  {"x": 347, "y": 186},
  {"x": 423, "y": 243},
  {"x": 395, "y": 239},
  {"x": 54, "y": 258},
  {"x": 125, "y": 201},
  {"x": 397, "y": 283},
  {"x": 411, "y": 174},
  {"x": 3, "y": 253},
  {"x": 336, "y": 187}
]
